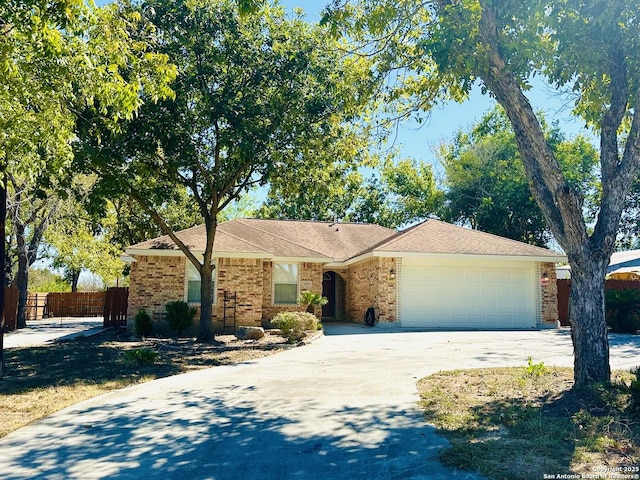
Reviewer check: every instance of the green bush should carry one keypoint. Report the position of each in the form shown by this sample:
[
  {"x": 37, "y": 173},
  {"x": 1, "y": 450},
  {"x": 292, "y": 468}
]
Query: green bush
[
  {"x": 534, "y": 370},
  {"x": 179, "y": 315},
  {"x": 141, "y": 356},
  {"x": 142, "y": 323},
  {"x": 293, "y": 325},
  {"x": 310, "y": 299},
  {"x": 623, "y": 310}
]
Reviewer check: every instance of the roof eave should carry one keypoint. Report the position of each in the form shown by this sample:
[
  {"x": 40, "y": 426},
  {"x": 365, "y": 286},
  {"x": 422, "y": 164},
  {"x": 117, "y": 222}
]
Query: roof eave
[
  {"x": 298, "y": 259},
  {"x": 351, "y": 261},
  {"x": 532, "y": 258},
  {"x": 152, "y": 252},
  {"x": 127, "y": 258},
  {"x": 132, "y": 253}
]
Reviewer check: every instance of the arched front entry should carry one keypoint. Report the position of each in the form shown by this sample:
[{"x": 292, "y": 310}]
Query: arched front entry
[{"x": 334, "y": 288}]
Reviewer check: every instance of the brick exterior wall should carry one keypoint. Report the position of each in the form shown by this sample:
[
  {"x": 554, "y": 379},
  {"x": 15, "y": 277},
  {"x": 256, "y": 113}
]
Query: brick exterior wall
[
  {"x": 549, "y": 294},
  {"x": 387, "y": 275},
  {"x": 242, "y": 277},
  {"x": 371, "y": 283},
  {"x": 154, "y": 282}
]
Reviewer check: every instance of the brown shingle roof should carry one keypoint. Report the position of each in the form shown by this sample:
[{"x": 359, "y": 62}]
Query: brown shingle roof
[
  {"x": 281, "y": 238},
  {"x": 339, "y": 241},
  {"x": 195, "y": 239},
  {"x": 435, "y": 236},
  {"x": 342, "y": 241}
]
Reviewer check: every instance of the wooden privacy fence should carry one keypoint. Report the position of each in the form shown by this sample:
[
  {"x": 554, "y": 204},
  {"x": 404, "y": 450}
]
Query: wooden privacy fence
[
  {"x": 111, "y": 304},
  {"x": 36, "y": 306},
  {"x": 10, "y": 308},
  {"x": 115, "y": 307},
  {"x": 564, "y": 291},
  {"x": 75, "y": 304}
]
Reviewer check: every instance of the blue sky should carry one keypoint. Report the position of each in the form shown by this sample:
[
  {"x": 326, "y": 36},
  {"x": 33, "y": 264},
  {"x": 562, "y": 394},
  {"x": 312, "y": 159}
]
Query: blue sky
[{"x": 418, "y": 141}]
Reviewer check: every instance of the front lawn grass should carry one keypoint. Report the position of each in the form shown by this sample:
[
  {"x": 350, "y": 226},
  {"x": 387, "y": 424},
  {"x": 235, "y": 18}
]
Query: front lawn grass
[
  {"x": 41, "y": 380},
  {"x": 523, "y": 423}
]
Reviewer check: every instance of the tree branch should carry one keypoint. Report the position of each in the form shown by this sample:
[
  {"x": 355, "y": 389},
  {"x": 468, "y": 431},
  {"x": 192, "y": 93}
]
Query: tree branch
[
  {"x": 166, "y": 229},
  {"x": 558, "y": 201}
]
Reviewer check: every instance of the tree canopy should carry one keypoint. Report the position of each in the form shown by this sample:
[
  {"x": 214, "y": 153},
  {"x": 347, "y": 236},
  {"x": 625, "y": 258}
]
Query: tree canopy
[
  {"x": 402, "y": 192},
  {"x": 486, "y": 186},
  {"x": 256, "y": 94},
  {"x": 435, "y": 51},
  {"x": 58, "y": 58}
]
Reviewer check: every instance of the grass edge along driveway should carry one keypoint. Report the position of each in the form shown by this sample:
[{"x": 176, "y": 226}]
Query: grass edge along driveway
[{"x": 526, "y": 423}]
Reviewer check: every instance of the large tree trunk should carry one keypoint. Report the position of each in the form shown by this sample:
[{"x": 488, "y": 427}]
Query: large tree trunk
[
  {"x": 22, "y": 277},
  {"x": 74, "y": 276},
  {"x": 205, "y": 333},
  {"x": 562, "y": 206},
  {"x": 588, "y": 324},
  {"x": 30, "y": 218}
]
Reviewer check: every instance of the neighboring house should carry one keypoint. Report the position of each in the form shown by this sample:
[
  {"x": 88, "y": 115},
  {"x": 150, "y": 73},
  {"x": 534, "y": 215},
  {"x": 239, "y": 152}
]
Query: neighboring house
[
  {"x": 563, "y": 272},
  {"x": 622, "y": 266},
  {"x": 433, "y": 275}
]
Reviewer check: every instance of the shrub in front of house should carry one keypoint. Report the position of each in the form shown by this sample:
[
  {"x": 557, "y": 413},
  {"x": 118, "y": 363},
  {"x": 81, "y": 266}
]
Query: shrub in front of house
[
  {"x": 623, "y": 310},
  {"x": 293, "y": 325},
  {"x": 310, "y": 299},
  {"x": 142, "y": 323},
  {"x": 179, "y": 315},
  {"x": 141, "y": 356}
]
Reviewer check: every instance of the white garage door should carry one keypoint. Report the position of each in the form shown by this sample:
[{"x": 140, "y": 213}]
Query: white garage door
[{"x": 454, "y": 293}]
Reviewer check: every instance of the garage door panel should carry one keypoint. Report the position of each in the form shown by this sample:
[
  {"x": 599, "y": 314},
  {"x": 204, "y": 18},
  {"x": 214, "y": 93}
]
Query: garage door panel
[{"x": 467, "y": 296}]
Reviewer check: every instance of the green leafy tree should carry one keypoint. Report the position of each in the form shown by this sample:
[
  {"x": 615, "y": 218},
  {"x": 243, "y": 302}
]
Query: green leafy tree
[
  {"x": 315, "y": 192},
  {"x": 254, "y": 94},
  {"x": 44, "y": 280},
  {"x": 435, "y": 51},
  {"x": 31, "y": 208},
  {"x": 34, "y": 125},
  {"x": 58, "y": 58},
  {"x": 75, "y": 246},
  {"x": 404, "y": 192},
  {"x": 412, "y": 194},
  {"x": 486, "y": 184},
  {"x": 126, "y": 224},
  {"x": 243, "y": 207},
  {"x": 369, "y": 203}
]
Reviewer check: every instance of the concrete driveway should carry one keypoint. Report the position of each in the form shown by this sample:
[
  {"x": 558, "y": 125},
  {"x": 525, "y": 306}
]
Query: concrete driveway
[
  {"x": 343, "y": 407},
  {"x": 50, "y": 330}
]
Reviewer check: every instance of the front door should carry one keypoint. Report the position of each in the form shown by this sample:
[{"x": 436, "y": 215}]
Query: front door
[{"x": 329, "y": 291}]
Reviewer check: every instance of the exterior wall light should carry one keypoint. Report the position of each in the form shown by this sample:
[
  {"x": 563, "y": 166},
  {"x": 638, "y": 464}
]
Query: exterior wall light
[{"x": 544, "y": 280}]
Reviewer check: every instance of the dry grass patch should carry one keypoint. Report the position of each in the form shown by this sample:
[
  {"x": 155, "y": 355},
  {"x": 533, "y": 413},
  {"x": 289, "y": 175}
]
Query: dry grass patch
[
  {"x": 523, "y": 423},
  {"x": 41, "y": 380}
]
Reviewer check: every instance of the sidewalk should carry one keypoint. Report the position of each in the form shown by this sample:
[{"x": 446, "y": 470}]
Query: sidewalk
[{"x": 42, "y": 332}]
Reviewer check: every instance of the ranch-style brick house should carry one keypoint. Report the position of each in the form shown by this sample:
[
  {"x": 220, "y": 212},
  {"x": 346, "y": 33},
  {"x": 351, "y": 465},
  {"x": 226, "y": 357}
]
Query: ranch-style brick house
[{"x": 434, "y": 275}]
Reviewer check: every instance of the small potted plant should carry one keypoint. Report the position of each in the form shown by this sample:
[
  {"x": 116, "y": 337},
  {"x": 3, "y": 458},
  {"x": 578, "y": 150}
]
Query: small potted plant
[{"x": 310, "y": 299}]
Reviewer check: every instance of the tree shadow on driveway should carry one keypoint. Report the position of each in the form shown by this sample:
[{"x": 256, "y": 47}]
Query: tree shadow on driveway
[{"x": 220, "y": 433}]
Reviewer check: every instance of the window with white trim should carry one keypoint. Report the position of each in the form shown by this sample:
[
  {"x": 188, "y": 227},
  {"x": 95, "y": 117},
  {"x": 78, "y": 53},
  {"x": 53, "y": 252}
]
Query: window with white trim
[
  {"x": 194, "y": 283},
  {"x": 285, "y": 283}
]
